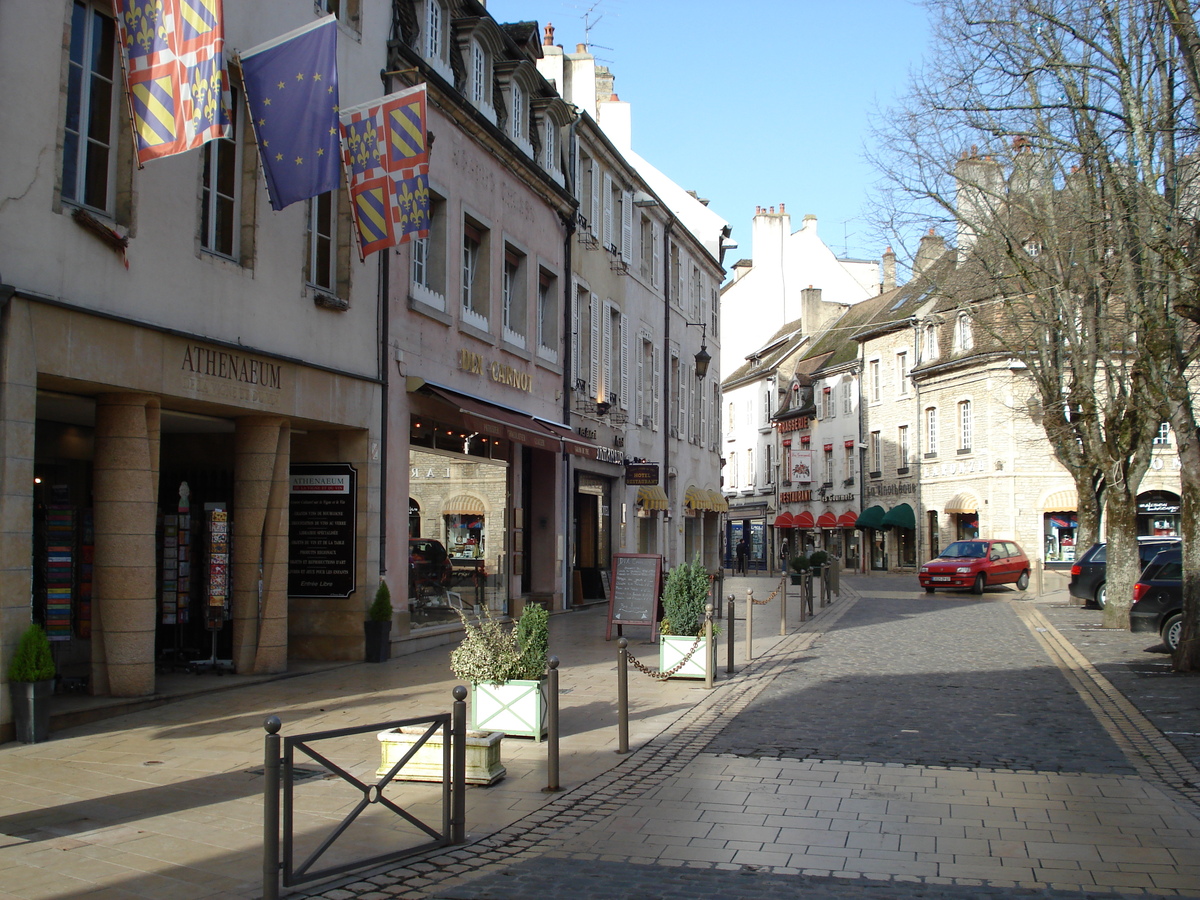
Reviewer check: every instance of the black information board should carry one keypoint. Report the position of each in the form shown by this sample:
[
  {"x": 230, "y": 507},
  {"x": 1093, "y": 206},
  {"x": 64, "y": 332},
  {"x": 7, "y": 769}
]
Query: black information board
[
  {"x": 634, "y": 598},
  {"x": 321, "y": 519}
]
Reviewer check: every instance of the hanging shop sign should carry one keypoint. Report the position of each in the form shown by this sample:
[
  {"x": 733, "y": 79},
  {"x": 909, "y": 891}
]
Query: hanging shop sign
[
  {"x": 321, "y": 538},
  {"x": 641, "y": 473}
]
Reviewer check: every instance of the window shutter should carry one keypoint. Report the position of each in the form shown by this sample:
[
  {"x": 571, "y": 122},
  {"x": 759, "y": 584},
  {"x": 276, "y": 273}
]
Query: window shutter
[
  {"x": 655, "y": 256},
  {"x": 639, "y": 410},
  {"x": 594, "y": 321},
  {"x": 682, "y": 393},
  {"x": 608, "y": 211},
  {"x": 594, "y": 209},
  {"x": 609, "y": 385},
  {"x": 655, "y": 388},
  {"x": 703, "y": 436},
  {"x": 624, "y": 362},
  {"x": 576, "y": 336},
  {"x": 627, "y": 226}
]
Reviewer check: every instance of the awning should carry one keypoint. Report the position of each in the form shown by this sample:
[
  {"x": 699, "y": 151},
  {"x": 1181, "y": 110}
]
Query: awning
[
  {"x": 784, "y": 520},
  {"x": 1061, "y": 501},
  {"x": 871, "y": 517},
  {"x": 847, "y": 520},
  {"x": 462, "y": 505},
  {"x": 827, "y": 520},
  {"x": 966, "y": 502},
  {"x": 720, "y": 504},
  {"x": 900, "y": 516},
  {"x": 509, "y": 424},
  {"x": 652, "y": 497},
  {"x": 696, "y": 498},
  {"x": 803, "y": 520}
]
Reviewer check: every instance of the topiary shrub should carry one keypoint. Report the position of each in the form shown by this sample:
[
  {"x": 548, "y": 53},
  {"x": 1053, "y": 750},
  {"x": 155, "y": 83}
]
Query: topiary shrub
[
  {"x": 381, "y": 606},
  {"x": 32, "y": 660},
  {"x": 685, "y": 594}
]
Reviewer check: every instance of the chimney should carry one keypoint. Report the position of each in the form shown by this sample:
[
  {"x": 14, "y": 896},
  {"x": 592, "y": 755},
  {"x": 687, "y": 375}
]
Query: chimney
[
  {"x": 931, "y": 248},
  {"x": 548, "y": 35},
  {"x": 889, "y": 270}
]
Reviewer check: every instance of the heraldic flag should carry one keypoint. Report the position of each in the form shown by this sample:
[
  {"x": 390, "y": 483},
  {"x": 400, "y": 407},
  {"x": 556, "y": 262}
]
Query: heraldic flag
[
  {"x": 292, "y": 92},
  {"x": 387, "y": 166},
  {"x": 174, "y": 56}
]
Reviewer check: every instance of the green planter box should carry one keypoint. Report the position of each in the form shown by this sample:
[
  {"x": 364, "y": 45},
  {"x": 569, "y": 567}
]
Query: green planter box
[
  {"x": 672, "y": 648},
  {"x": 517, "y": 708}
]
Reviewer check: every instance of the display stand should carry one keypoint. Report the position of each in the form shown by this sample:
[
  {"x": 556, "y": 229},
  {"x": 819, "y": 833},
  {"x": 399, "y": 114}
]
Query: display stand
[{"x": 216, "y": 607}]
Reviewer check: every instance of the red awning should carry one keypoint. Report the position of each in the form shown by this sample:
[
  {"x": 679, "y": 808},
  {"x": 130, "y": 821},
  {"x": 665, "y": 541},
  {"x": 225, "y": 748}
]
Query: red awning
[
  {"x": 847, "y": 519},
  {"x": 784, "y": 520},
  {"x": 804, "y": 520},
  {"x": 827, "y": 520}
]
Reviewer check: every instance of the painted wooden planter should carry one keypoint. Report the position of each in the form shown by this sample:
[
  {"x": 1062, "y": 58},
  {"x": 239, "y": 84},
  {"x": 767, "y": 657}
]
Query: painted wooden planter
[
  {"x": 483, "y": 755},
  {"x": 518, "y": 708},
  {"x": 672, "y": 648}
]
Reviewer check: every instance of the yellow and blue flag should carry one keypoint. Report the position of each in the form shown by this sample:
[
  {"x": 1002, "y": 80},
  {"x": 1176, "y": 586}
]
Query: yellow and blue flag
[
  {"x": 173, "y": 52},
  {"x": 292, "y": 94}
]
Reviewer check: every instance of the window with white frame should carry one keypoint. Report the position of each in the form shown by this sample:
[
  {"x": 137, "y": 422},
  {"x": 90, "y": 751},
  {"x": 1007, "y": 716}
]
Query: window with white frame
[
  {"x": 646, "y": 254},
  {"x": 964, "y": 425},
  {"x": 480, "y": 79},
  {"x": 848, "y": 469},
  {"x": 847, "y": 396},
  {"x": 902, "y": 447},
  {"x": 221, "y": 189},
  {"x": 873, "y": 379},
  {"x": 516, "y": 114},
  {"x": 1163, "y": 437},
  {"x": 347, "y": 11},
  {"x": 929, "y": 347},
  {"x": 550, "y": 146},
  {"x": 876, "y": 453},
  {"x": 436, "y": 23},
  {"x": 475, "y": 275},
  {"x": 964, "y": 339},
  {"x": 512, "y": 292},
  {"x": 89, "y": 162},
  {"x": 733, "y": 469},
  {"x": 428, "y": 255},
  {"x": 751, "y": 480},
  {"x": 931, "y": 431},
  {"x": 547, "y": 315},
  {"x": 902, "y": 373},
  {"x": 829, "y": 465},
  {"x": 322, "y": 257}
]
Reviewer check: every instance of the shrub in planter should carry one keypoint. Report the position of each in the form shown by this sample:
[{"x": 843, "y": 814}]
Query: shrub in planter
[
  {"x": 818, "y": 558},
  {"x": 685, "y": 594},
  {"x": 800, "y": 564},
  {"x": 378, "y": 627},
  {"x": 31, "y": 684},
  {"x": 507, "y": 670}
]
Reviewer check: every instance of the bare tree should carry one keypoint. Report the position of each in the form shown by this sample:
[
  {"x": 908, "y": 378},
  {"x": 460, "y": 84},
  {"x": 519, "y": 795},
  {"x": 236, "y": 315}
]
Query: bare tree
[{"x": 1075, "y": 217}]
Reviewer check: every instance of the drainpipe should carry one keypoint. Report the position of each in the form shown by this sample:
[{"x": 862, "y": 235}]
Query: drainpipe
[
  {"x": 568, "y": 350},
  {"x": 384, "y": 372},
  {"x": 666, "y": 353}
]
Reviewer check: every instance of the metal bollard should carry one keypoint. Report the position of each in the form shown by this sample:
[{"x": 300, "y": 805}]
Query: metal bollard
[
  {"x": 710, "y": 653},
  {"x": 783, "y": 605},
  {"x": 552, "y": 721},
  {"x": 458, "y": 766},
  {"x": 749, "y": 625},
  {"x": 623, "y": 695},
  {"x": 729, "y": 639},
  {"x": 271, "y": 760}
]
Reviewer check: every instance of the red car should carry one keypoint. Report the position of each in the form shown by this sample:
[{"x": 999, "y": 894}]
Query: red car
[{"x": 976, "y": 564}]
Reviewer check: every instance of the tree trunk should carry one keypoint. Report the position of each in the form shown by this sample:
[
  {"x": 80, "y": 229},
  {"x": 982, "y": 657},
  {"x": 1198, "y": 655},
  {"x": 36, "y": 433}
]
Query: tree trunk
[
  {"x": 1187, "y": 655},
  {"x": 1120, "y": 507}
]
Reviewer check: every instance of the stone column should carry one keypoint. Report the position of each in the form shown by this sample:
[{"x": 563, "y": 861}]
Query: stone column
[
  {"x": 125, "y": 493},
  {"x": 262, "y": 457}
]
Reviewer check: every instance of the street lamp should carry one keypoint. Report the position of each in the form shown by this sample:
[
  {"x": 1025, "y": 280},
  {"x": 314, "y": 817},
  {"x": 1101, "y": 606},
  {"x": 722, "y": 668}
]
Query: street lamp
[{"x": 703, "y": 358}]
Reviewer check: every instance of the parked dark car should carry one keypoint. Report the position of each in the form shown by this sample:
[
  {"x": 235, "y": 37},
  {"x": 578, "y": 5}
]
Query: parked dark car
[
  {"x": 1090, "y": 572},
  {"x": 1158, "y": 598},
  {"x": 975, "y": 564},
  {"x": 428, "y": 563}
]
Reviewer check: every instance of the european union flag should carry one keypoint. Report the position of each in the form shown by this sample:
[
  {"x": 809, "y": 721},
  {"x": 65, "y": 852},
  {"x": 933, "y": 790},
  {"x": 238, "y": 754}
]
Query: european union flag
[{"x": 292, "y": 93}]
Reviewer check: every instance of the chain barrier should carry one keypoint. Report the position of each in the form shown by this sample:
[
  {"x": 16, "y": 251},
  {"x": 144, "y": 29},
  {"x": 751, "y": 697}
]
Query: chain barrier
[
  {"x": 773, "y": 595},
  {"x": 663, "y": 676}
]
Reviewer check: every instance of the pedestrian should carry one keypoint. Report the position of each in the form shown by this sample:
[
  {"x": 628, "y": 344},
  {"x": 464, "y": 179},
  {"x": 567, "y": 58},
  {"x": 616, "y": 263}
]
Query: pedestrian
[
  {"x": 783, "y": 555},
  {"x": 743, "y": 550}
]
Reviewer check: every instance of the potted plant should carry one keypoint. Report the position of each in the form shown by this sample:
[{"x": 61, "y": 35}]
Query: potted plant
[
  {"x": 30, "y": 684},
  {"x": 684, "y": 597},
  {"x": 819, "y": 559},
  {"x": 800, "y": 564},
  {"x": 506, "y": 668},
  {"x": 378, "y": 627}
]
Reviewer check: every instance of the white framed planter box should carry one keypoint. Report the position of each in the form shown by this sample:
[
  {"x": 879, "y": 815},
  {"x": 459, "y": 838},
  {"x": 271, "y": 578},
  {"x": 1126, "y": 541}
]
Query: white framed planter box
[
  {"x": 673, "y": 648},
  {"x": 483, "y": 755},
  {"x": 518, "y": 708}
]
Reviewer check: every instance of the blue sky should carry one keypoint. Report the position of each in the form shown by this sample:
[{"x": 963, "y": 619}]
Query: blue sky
[{"x": 753, "y": 103}]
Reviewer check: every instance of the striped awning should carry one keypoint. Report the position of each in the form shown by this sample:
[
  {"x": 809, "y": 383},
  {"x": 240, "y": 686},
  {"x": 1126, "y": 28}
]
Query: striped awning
[
  {"x": 696, "y": 498},
  {"x": 1061, "y": 501},
  {"x": 720, "y": 504},
  {"x": 784, "y": 520},
  {"x": 804, "y": 520},
  {"x": 827, "y": 520},
  {"x": 463, "y": 505},
  {"x": 652, "y": 497},
  {"x": 965, "y": 502}
]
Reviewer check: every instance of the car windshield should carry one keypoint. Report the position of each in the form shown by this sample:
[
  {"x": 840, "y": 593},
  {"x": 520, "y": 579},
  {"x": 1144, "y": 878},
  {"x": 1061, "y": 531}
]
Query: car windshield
[{"x": 965, "y": 550}]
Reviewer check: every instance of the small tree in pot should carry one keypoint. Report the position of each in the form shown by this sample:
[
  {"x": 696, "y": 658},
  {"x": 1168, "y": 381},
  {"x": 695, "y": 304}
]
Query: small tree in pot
[
  {"x": 800, "y": 564},
  {"x": 507, "y": 671},
  {"x": 684, "y": 597},
  {"x": 31, "y": 683},
  {"x": 378, "y": 627}
]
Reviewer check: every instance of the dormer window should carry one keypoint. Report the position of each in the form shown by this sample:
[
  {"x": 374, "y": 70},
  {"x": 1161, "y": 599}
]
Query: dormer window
[
  {"x": 480, "y": 88},
  {"x": 436, "y": 38},
  {"x": 516, "y": 117},
  {"x": 550, "y": 146}
]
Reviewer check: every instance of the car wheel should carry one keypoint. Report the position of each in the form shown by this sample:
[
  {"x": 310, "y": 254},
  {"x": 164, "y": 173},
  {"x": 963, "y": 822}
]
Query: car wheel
[
  {"x": 980, "y": 581},
  {"x": 1023, "y": 581},
  {"x": 1171, "y": 631},
  {"x": 1101, "y": 596},
  {"x": 929, "y": 590}
]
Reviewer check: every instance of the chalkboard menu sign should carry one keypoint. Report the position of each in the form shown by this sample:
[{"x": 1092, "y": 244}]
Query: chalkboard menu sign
[
  {"x": 634, "y": 598},
  {"x": 321, "y": 530}
]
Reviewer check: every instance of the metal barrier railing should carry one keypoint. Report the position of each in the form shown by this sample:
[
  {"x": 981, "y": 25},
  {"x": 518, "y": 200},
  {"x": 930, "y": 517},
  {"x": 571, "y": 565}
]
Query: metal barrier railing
[{"x": 280, "y": 753}]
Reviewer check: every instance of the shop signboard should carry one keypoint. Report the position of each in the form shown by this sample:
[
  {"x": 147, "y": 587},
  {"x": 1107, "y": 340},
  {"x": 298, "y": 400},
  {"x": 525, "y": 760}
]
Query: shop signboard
[
  {"x": 641, "y": 473},
  {"x": 321, "y": 539}
]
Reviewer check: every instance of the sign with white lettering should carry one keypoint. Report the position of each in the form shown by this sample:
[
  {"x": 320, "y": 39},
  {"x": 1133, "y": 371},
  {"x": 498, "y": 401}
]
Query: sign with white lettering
[{"x": 321, "y": 537}]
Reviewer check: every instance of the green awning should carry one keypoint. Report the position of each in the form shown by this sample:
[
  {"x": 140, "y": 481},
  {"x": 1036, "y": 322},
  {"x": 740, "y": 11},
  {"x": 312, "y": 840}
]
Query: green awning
[
  {"x": 872, "y": 517},
  {"x": 900, "y": 516}
]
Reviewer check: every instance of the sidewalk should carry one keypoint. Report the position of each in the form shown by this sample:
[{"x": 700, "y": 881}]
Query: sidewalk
[{"x": 167, "y": 802}]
